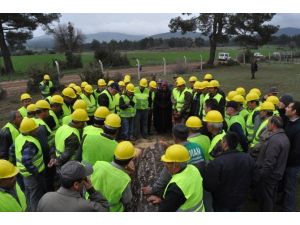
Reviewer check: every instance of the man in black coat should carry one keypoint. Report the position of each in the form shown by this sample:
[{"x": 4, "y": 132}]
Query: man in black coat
[
  {"x": 254, "y": 68},
  {"x": 229, "y": 176}
]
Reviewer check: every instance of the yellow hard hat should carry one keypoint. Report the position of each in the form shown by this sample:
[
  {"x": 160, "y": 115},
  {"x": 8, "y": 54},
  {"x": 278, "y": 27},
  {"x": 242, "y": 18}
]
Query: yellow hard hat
[
  {"x": 230, "y": 95},
  {"x": 69, "y": 92},
  {"x": 110, "y": 82},
  {"x": 25, "y": 96},
  {"x": 252, "y": 96},
  {"x": 88, "y": 88},
  {"x": 127, "y": 76},
  {"x": 121, "y": 83},
  {"x": 208, "y": 76},
  {"x": 193, "y": 122},
  {"x": 102, "y": 112},
  {"x": 83, "y": 84},
  {"x": 80, "y": 115},
  {"x": 130, "y": 87},
  {"x": 42, "y": 104},
  {"x": 78, "y": 90},
  {"x": 127, "y": 80},
  {"x": 238, "y": 98},
  {"x": 31, "y": 108},
  {"x": 57, "y": 99},
  {"x": 144, "y": 82},
  {"x": 124, "y": 150},
  {"x": 256, "y": 90},
  {"x": 113, "y": 121},
  {"x": 205, "y": 83},
  {"x": 46, "y": 77},
  {"x": 193, "y": 79},
  {"x": 101, "y": 82},
  {"x": 269, "y": 106},
  {"x": 72, "y": 85},
  {"x": 273, "y": 99},
  {"x": 241, "y": 91},
  {"x": 180, "y": 81},
  {"x": 27, "y": 125},
  {"x": 80, "y": 104},
  {"x": 176, "y": 153},
  {"x": 213, "y": 84},
  {"x": 213, "y": 116},
  {"x": 153, "y": 84},
  {"x": 7, "y": 169},
  {"x": 198, "y": 85}
]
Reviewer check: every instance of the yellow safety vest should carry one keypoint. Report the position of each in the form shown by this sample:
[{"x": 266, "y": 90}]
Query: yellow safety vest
[
  {"x": 90, "y": 102},
  {"x": 180, "y": 100},
  {"x": 261, "y": 127},
  {"x": 23, "y": 111},
  {"x": 10, "y": 204},
  {"x": 130, "y": 111},
  {"x": 216, "y": 139},
  {"x": 46, "y": 91},
  {"x": 111, "y": 105},
  {"x": 250, "y": 125},
  {"x": 141, "y": 98}
]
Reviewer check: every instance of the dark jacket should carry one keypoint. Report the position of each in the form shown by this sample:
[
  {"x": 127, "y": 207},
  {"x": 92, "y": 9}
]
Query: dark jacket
[
  {"x": 292, "y": 130},
  {"x": 6, "y": 142},
  {"x": 228, "y": 177},
  {"x": 272, "y": 158}
]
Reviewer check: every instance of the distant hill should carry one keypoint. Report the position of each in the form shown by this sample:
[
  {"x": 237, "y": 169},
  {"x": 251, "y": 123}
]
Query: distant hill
[
  {"x": 290, "y": 31},
  {"x": 168, "y": 35}
]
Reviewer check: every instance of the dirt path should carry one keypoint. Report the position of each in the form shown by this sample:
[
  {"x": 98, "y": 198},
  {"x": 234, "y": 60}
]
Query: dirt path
[{"x": 15, "y": 88}]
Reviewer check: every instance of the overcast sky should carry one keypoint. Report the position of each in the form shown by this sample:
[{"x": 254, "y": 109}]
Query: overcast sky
[{"x": 144, "y": 24}]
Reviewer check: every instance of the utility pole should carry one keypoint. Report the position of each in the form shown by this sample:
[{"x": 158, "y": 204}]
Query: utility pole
[
  {"x": 201, "y": 62},
  {"x": 101, "y": 66},
  {"x": 138, "y": 68},
  {"x": 165, "y": 66}
]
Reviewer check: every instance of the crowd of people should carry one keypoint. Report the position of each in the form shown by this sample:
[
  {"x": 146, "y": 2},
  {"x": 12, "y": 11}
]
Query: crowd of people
[{"x": 73, "y": 150}]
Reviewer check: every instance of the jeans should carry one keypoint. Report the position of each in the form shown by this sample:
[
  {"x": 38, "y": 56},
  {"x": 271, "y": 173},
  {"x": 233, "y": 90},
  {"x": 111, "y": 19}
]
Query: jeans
[
  {"x": 289, "y": 189},
  {"x": 35, "y": 188},
  {"x": 141, "y": 122},
  {"x": 127, "y": 128}
]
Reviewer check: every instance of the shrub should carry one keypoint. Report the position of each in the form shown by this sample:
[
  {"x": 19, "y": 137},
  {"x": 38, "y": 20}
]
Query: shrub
[
  {"x": 73, "y": 61},
  {"x": 91, "y": 74},
  {"x": 2, "y": 93},
  {"x": 180, "y": 67},
  {"x": 229, "y": 62},
  {"x": 111, "y": 58}
]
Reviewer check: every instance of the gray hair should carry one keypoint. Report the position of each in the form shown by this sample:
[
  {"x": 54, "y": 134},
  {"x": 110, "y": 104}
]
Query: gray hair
[
  {"x": 277, "y": 121},
  {"x": 218, "y": 126}
]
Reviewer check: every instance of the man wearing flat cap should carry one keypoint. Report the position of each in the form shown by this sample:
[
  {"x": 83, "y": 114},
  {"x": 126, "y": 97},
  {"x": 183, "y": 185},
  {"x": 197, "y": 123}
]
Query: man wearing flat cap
[{"x": 68, "y": 198}]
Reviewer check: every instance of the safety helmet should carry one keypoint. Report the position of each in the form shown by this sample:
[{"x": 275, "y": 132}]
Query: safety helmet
[
  {"x": 57, "y": 99},
  {"x": 252, "y": 96},
  {"x": 198, "y": 85},
  {"x": 69, "y": 92},
  {"x": 80, "y": 115},
  {"x": 102, "y": 112},
  {"x": 124, "y": 150},
  {"x": 113, "y": 121},
  {"x": 144, "y": 82},
  {"x": 273, "y": 99},
  {"x": 83, "y": 84},
  {"x": 269, "y": 106},
  {"x": 193, "y": 122},
  {"x": 101, "y": 82},
  {"x": 213, "y": 116},
  {"x": 193, "y": 79},
  {"x": 127, "y": 80},
  {"x": 72, "y": 85},
  {"x": 127, "y": 76},
  {"x": 25, "y": 96},
  {"x": 110, "y": 82},
  {"x": 46, "y": 77},
  {"x": 205, "y": 83},
  {"x": 153, "y": 84},
  {"x": 31, "y": 108},
  {"x": 208, "y": 76},
  {"x": 180, "y": 81},
  {"x": 7, "y": 169},
  {"x": 238, "y": 98},
  {"x": 256, "y": 90},
  {"x": 241, "y": 91},
  {"x": 42, "y": 104},
  {"x": 78, "y": 90},
  {"x": 176, "y": 153},
  {"x": 80, "y": 104},
  {"x": 121, "y": 83},
  {"x": 230, "y": 95},
  {"x": 213, "y": 84},
  {"x": 130, "y": 87},
  {"x": 88, "y": 88},
  {"x": 27, "y": 125}
]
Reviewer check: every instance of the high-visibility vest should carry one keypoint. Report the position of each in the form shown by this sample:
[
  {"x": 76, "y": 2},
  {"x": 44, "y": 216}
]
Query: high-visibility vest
[
  {"x": 130, "y": 111},
  {"x": 175, "y": 93},
  {"x": 23, "y": 111},
  {"x": 203, "y": 141},
  {"x": 141, "y": 98},
  {"x": 56, "y": 120},
  {"x": 41, "y": 122},
  {"x": 111, "y": 105},
  {"x": 91, "y": 130},
  {"x": 90, "y": 102},
  {"x": 190, "y": 183},
  {"x": 152, "y": 94},
  {"x": 111, "y": 182},
  {"x": 190, "y": 90},
  {"x": 97, "y": 93},
  {"x": 46, "y": 90},
  {"x": 218, "y": 97},
  {"x": 117, "y": 102},
  {"x": 96, "y": 147},
  {"x": 13, "y": 131},
  {"x": 66, "y": 110},
  {"x": 261, "y": 127},
  {"x": 10, "y": 204},
  {"x": 244, "y": 113},
  {"x": 61, "y": 135},
  {"x": 276, "y": 112},
  {"x": 216, "y": 139},
  {"x": 250, "y": 125},
  {"x": 237, "y": 119},
  {"x": 37, "y": 160},
  {"x": 180, "y": 100},
  {"x": 66, "y": 120},
  {"x": 206, "y": 97}
]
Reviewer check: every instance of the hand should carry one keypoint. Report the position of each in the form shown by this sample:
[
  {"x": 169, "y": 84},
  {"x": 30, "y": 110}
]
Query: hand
[
  {"x": 146, "y": 190},
  {"x": 153, "y": 199},
  {"x": 130, "y": 168},
  {"x": 52, "y": 162},
  {"x": 164, "y": 144},
  {"x": 87, "y": 184}
]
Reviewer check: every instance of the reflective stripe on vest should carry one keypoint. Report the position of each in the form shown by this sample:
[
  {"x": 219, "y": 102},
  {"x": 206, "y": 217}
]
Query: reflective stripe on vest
[
  {"x": 37, "y": 160},
  {"x": 13, "y": 131},
  {"x": 244, "y": 113},
  {"x": 206, "y": 97},
  {"x": 214, "y": 142},
  {"x": 180, "y": 100},
  {"x": 130, "y": 111},
  {"x": 66, "y": 110},
  {"x": 90, "y": 102},
  {"x": 8, "y": 203},
  {"x": 190, "y": 183},
  {"x": 218, "y": 97},
  {"x": 141, "y": 98},
  {"x": 261, "y": 127},
  {"x": 111, "y": 182},
  {"x": 111, "y": 104},
  {"x": 250, "y": 125},
  {"x": 57, "y": 123},
  {"x": 23, "y": 111},
  {"x": 46, "y": 90}
]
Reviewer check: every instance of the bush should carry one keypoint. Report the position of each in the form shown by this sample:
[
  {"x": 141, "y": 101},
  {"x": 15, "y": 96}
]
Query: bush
[
  {"x": 111, "y": 58},
  {"x": 36, "y": 74},
  {"x": 180, "y": 67},
  {"x": 229, "y": 62},
  {"x": 2, "y": 93},
  {"x": 91, "y": 74},
  {"x": 73, "y": 61}
]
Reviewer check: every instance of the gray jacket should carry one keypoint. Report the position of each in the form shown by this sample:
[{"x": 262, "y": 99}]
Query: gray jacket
[
  {"x": 272, "y": 158},
  {"x": 65, "y": 200}
]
